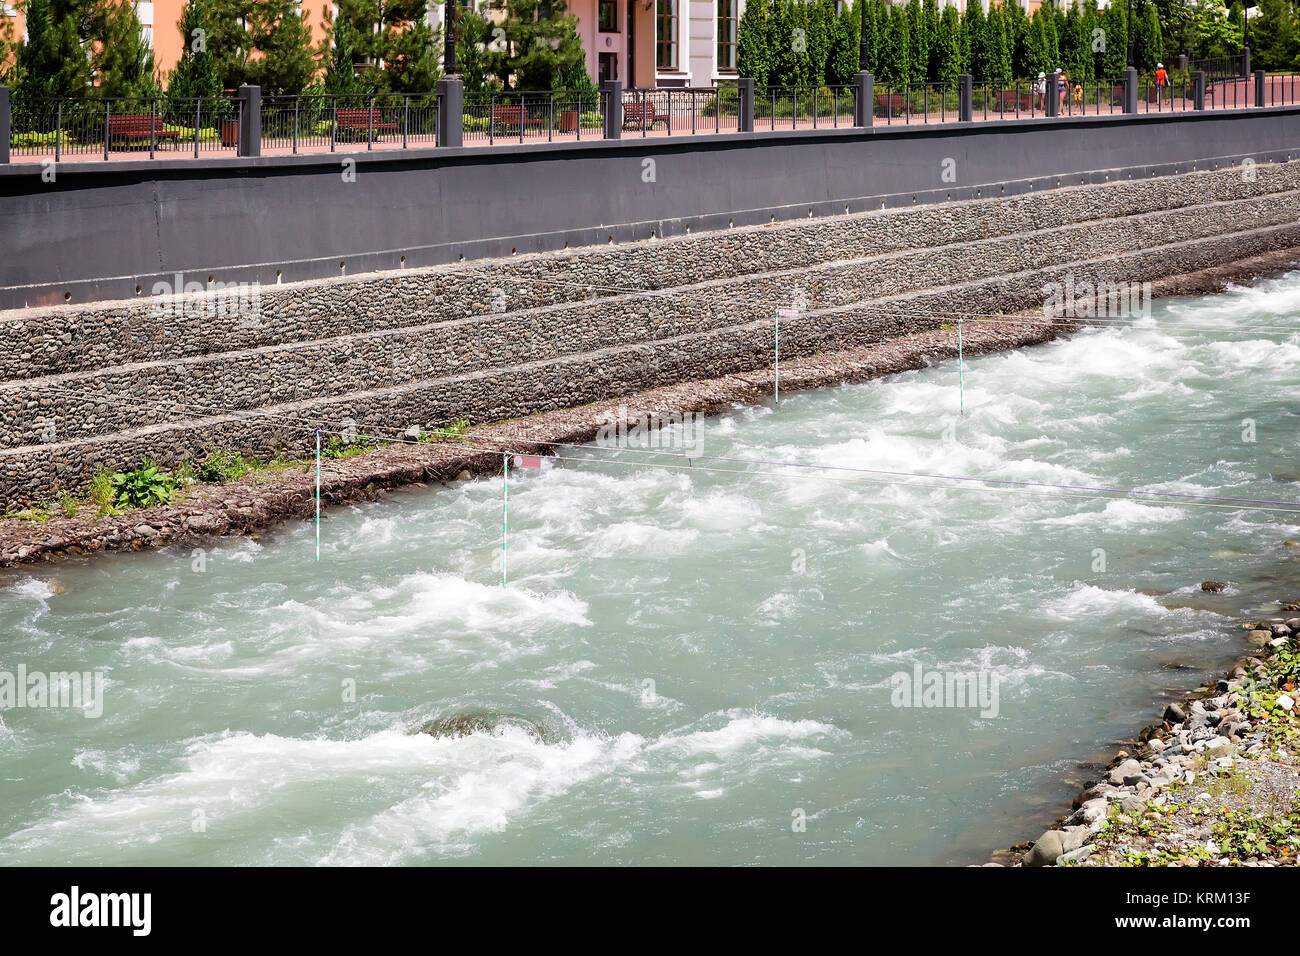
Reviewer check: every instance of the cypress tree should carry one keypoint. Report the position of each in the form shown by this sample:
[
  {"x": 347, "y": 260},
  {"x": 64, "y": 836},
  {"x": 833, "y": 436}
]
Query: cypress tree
[
  {"x": 976, "y": 55},
  {"x": 895, "y": 48},
  {"x": 123, "y": 62},
  {"x": 195, "y": 73},
  {"x": 753, "y": 50},
  {"x": 948, "y": 47},
  {"x": 844, "y": 55},
  {"x": 918, "y": 50},
  {"x": 1115, "y": 59}
]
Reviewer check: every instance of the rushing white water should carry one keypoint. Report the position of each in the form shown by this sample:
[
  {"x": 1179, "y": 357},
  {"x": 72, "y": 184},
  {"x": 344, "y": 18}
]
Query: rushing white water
[{"x": 708, "y": 655}]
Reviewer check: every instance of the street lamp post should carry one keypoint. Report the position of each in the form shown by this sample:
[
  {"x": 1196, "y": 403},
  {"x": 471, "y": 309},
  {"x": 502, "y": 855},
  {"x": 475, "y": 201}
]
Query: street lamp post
[
  {"x": 449, "y": 38},
  {"x": 862, "y": 46},
  {"x": 1132, "y": 35}
]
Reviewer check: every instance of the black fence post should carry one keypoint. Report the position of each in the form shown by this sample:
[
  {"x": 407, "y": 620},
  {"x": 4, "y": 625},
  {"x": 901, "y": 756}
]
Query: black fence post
[
  {"x": 451, "y": 111},
  {"x": 1245, "y": 61},
  {"x": 745, "y": 114},
  {"x": 864, "y": 90},
  {"x": 965, "y": 98},
  {"x": 1259, "y": 87},
  {"x": 6, "y": 124},
  {"x": 1198, "y": 90},
  {"x": 1130, "y": 90},
  {"x": 1053, "y": 105},
  {"x": 250, "y": 121},
  {"x": 613, "y": 90}
]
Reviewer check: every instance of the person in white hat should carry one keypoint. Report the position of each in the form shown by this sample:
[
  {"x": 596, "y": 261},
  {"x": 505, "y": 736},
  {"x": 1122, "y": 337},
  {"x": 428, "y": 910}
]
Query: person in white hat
[{"x": 1040, "y": 90}]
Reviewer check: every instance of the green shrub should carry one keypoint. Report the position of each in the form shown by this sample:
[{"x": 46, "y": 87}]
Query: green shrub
[
  {"x": 338, "y": 447},
  {"x": 143, "y": 487},
  {"x": 222, "y": 465},
  {"x": 455, "y": 431},
  {"x": 102, "y": 494}
]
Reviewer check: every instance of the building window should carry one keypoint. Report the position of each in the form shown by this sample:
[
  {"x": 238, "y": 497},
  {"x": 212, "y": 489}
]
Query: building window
[
  {"x": 607, "y": 16},
  {"x": 728, "y": 24},
  {"x": 666, "y": 34}
]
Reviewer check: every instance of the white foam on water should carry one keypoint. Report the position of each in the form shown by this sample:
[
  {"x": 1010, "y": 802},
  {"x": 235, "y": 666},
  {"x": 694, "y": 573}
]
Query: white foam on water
[
  {"x": 1087, "y": 601},
  {"x": 480, "y": 783}
]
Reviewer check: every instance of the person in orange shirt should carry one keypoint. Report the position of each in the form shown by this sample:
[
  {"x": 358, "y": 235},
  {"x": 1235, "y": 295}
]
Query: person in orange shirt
[{"x": 1162, "y": 81}]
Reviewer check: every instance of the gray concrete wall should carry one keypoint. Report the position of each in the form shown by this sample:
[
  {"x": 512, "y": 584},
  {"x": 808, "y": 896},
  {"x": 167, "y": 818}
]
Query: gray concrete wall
[
  {"x": 84, "y": 387},
  {"x": 102, "y": 229}
]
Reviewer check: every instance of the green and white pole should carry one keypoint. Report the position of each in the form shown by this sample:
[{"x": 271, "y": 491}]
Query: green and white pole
[
  {"x": 777, "y": 354},
  {"x": 505, "y": 511},
  {"x": 318, "y": 494},
  {"x": 961, "y": 371}
]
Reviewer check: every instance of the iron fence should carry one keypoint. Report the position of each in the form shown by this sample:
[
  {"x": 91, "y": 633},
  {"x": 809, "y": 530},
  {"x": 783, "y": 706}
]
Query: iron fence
[
  {"x": 803, "y": 107},
  {"x": 537, "y": 117},
  {"x": 124, "y": 128},
  {"x": 684, "y": 110},
  {"x": 328, "y": 122}
]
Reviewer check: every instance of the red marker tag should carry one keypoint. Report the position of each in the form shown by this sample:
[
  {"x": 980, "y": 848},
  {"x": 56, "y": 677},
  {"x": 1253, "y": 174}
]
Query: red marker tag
[{"x": 528, "y": 461}]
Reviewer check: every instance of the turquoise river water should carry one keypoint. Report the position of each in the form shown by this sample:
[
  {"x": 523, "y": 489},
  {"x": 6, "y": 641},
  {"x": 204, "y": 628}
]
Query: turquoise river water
[{"x": 696, "y": 665}]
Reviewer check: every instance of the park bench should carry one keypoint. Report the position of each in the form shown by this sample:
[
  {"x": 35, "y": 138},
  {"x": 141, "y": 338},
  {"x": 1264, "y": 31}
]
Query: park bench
[
  {"x": 140, "y": 128},
  {"x": 1008, "y": 100},
  {"x": 506, "y": 116},
  {"x": 640, "y": 114},
  {"x": 367, "y": 121},
  {"x": 895, "y": 103}
]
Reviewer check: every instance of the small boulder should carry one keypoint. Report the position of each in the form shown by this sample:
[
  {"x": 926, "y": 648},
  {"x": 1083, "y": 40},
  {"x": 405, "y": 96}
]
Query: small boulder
[
  {"x": 1213, "y": 587},
  {"x": 1046, "y": 849}
]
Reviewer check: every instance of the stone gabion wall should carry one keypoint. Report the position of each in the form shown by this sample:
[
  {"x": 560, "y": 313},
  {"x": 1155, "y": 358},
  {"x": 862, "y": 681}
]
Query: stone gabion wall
[{"x": 168, "y": 377}]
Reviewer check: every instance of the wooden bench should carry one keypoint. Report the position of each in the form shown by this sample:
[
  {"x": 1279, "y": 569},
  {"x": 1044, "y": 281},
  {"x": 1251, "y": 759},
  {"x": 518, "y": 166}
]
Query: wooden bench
[
  {"x": 515, "y": 117},
  {"x": 640, "y": 114},
  {"x": 895, "y": 103},
  {"x": 140, "y": 127},
  {"x": 1007, "y": 100},
  {"x": 367, "y": 121}
]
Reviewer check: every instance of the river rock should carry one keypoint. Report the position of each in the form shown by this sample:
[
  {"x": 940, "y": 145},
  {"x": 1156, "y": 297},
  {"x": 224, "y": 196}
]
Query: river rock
[
  {"x": 1046, "y": 849},
  {"x": 1175, "y": 714},
  {"x": 1127, "y": 768},
  {"x": 1214, "y": 587},
  {"x": 1259, "y": 638}
]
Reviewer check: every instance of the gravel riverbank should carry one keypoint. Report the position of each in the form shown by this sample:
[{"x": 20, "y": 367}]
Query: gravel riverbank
[{"x": 1215, "y": 783}]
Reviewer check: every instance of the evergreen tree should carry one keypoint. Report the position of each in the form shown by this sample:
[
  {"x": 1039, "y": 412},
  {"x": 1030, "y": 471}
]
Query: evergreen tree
[
  {"x": 53, "y": 61},
  {"x": 895, "y": 48},
  {"x": 948, "y": 47},
  {"x": 997, "y": 46},
  {"x": 845, "y": 50},
  {"x": 930, "y": 19},
  {"x": 340, "y": 55},
  {"x": 973, "y": 51},
  {"x": 1150, "y": 44},
  {"x": 542, "y": 44},
  {"x": 1275, "y": 36},
  {"x": 123, "y": 62},
  {"x": 195, "y": 74},
  {"x": 918, "y": 50},
  {"x": 472, "y": 37},
  {"x": 283, "y": 38},
  {"x": 753, "y": 48},
  {"x": 1115, "y": 59},
  {"x": 1076, "y": 49},
  {"x": 1019, "y": 28}
]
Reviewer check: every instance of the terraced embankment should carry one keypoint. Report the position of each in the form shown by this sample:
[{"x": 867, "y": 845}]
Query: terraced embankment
[{"x": 168, "y": 377}]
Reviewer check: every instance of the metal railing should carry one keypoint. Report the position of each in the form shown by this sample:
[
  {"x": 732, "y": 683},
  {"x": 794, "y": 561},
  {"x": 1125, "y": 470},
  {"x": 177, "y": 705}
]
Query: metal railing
[
  {"x": 124, "y": 128},
  {"x": 1217, "y": 68},
  {"x": 328, "y": 122},
  {"x": 682, "y": 111},
  {"x": 916, "y": 103},
  {"x": 1281, "y": 89},
  {"x": 803, "y": 107},
  {"x": 171, "y": 126},
  {"x": 537, "y": 117},
  {"x": 1171, "y": 96}
]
